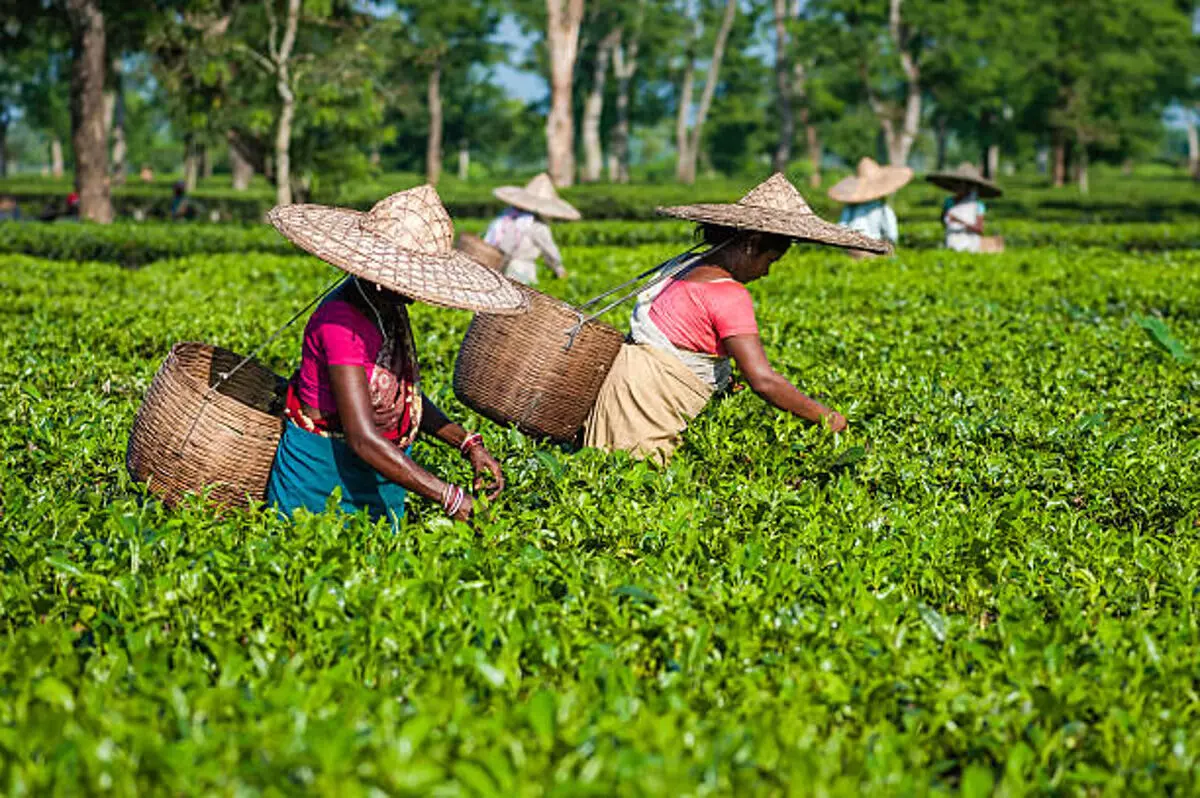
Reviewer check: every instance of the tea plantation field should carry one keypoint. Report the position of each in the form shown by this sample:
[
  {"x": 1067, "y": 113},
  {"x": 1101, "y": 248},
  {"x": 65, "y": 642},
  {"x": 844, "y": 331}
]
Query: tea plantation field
[{"x": 991, "y": 584}]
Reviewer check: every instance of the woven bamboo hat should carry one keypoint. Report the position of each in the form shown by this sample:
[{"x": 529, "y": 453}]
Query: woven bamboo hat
[
  {"x": 404, "y": 243},
  {"x": 966, "y": 176},
  {"x": 871, "y": 182},
  {"x": 539, "y": 196},
  {"x": 775, "y": 206}
]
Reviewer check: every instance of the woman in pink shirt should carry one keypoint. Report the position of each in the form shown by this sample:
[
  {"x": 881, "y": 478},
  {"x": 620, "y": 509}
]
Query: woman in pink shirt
[
  {"x": 355, "y": 406},
  {"x": 689, "y": 330}
]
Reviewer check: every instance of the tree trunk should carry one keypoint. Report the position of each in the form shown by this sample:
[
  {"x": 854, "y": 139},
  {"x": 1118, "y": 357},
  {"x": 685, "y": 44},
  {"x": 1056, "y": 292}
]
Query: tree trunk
[
  {"x": 87, "y": 110},
  {"x": 191, "y": 165},
  {"x": 464, "y": 159},
  {"x": 207, "y": 163},
  {"x": 1060, "y": 160},
  {"x": 1193, "y": 143},
  {"x": 240, "y": 166},
  {"x": 942, "y": 137},
  {"x": 993, "y": 161},
  {"x": 3, "y": 144},
  {"x": 899, "y": 126},
  {"x": 119, "y": 146},
  {"x": 433, "y": 147},
  {"x": 56, "y": 157},
  {"x": 593, "y": 108},
  {"x": 783, "y": 90},
  {"x": 1082, "y": 168},
  {"x": 681, "y": 117},
  {"x": 688, "y": 171},
  {"x": 814, "y": 152},
  {"x": 624, "y": 67},
  {"x": 562, "y": 38},
  {"x": 287, "y": 103}
]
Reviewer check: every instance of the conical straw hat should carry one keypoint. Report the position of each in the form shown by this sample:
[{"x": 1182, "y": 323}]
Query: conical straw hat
[
  {"x": 966, "y": 176},
  {"x": 870, "y": 183},
  {"x": 775, "y": 206},
  {"x": 403, "y": 243},
  {"x": 539, "y": 196}
]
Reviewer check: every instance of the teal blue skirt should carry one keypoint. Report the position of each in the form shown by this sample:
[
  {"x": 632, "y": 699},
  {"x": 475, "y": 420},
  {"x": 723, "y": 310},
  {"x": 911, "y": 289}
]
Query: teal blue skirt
[{"x": 308, "y": 467}]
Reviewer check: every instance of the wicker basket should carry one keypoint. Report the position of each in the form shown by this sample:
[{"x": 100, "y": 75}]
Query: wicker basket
[
  {"x": 480, "y": 251},
  {"x": 991, "y": 243},
  {"x": 515, "y": 370},
  {"x": 186, "y": 439}
]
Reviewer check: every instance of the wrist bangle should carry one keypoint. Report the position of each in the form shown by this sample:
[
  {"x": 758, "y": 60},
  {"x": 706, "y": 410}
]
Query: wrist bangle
[
  {"x": 470, "y": 442},
  {"x": 452, "y": 499}
]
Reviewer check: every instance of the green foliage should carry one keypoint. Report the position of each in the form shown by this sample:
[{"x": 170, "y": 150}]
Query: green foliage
[{"x": 989, "y": 583}]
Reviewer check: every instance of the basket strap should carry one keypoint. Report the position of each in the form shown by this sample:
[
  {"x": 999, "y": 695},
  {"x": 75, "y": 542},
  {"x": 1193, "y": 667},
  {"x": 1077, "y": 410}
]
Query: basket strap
[
  {"x": 224, "y": 376},
  {"x": 663, "y": 271}
]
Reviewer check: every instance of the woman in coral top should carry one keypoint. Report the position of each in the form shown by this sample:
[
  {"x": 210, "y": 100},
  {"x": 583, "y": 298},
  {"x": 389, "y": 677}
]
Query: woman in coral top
[{"x": 688, "y": 331}]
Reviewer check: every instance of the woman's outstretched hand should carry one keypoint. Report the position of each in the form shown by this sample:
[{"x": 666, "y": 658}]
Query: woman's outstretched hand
[
  {"x": 487, "y": 469},
  {"x": 836, "y": 421},
  {"x": 466, "y": 510}
]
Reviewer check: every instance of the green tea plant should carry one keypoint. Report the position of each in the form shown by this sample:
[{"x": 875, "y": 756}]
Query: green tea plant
[{"x": 989, "y": 584}]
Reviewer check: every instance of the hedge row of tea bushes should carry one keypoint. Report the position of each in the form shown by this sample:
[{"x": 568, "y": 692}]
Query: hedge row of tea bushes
[
  {"x": 1113, "y": 199},
  {"x": 990, "y": 583},
  {"x": 136, "y": 244}
]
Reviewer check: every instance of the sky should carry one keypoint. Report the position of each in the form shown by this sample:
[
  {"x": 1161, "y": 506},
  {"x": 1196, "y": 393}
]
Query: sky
[{"x": 520, "y": 84}]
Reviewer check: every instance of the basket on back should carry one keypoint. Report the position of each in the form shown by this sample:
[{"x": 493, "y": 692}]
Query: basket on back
[
  {"x": 187, "y": 438},
  {"x": 481, "y": 251},
  {"x": 519, "y": 370}
]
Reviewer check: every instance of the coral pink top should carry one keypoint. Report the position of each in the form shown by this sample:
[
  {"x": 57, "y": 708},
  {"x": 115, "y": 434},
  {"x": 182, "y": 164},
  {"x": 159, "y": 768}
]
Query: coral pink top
[
  {"x": 698, "y": 316},
  {"x": 337, "y": 334}
]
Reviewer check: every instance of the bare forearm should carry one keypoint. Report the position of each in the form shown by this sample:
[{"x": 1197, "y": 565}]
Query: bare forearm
[
  {"x": 434, "y": 422},
  {"x": 778, "y": 391},
  {"x": 386, "y": 458}
]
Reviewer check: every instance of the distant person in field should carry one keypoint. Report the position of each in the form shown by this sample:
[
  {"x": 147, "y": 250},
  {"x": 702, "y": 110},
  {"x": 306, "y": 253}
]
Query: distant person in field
[
  {"x": 688, "y": 331},
  {"x": 865, "y": 196},
  {"x": 146, "y": 174},
  {"x": 182, "y": 206},
  {"x": 54, "y": 213},
  {"x": 355, "y": 405},
  {"x": 963, "y": 213},
  {"x": 521, "y": 231},
  {"x": 10, "y": 209}
]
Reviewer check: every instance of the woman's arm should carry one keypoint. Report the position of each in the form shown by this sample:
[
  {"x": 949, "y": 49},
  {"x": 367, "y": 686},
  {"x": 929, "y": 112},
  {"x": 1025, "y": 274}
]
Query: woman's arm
[
  {"x": 352, "y": 394},
  {"x": 747, "y": 352},
  {"x": 544, "y": 240},
  {"x": 434, "y": 422}
]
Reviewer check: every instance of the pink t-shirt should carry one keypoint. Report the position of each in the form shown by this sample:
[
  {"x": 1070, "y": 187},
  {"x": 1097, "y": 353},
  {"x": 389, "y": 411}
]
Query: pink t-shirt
[
  {"x": 698, "y": 316},
  {"x": 337, "y": 334}
]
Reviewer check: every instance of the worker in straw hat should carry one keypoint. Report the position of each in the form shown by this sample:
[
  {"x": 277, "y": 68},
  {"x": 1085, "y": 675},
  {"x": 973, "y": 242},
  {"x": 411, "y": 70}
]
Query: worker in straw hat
[
  {"x": 521, "y": 231},
  {"x": 963, "y": 213},
  {"x": 355, "y": 406},
  {"x": 865, "y": 195},
  {"x": 688, "y": 329}
]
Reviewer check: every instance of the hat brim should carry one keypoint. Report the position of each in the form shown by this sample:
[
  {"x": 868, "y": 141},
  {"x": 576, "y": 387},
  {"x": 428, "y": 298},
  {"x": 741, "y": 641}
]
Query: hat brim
[
  {"x": 853, "y": 189},
  {"x": 955, "y": 182},
  {"x": 451, "y": 280},
  {"x": 801, "y": 226},
  {"x": 554, "y": 207}
]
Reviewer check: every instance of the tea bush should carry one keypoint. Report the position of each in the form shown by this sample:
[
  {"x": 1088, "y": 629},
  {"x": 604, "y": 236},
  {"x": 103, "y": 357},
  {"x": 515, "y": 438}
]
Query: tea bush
[
  {"x": 990, "y": 583},
  {"x": 136, "y": 244}
]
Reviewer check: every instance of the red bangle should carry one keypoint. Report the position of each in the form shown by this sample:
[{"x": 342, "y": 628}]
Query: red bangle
[{"x": 470, "y": 442}]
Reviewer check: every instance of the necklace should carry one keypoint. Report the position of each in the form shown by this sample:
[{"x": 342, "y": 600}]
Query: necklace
[{"x": 371, "y": 305}]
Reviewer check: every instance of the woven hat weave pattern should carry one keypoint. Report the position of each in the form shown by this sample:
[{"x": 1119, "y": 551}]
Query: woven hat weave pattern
[
  {"x": 870, "y": 182},
  {"x": 776, "y": 206},
  {"x": 404, "y": 243},
  {"x": 539, "y": 196}
]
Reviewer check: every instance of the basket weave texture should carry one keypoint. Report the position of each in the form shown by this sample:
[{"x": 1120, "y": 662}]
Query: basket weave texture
[
  {"x": 481, "y": 251},
  {"x": 514, "y": 369},
  {"x": 187, "y": 439}
]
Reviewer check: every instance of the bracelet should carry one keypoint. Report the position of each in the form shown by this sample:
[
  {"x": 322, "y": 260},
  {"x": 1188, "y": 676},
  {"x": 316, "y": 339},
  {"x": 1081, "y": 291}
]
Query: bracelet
[
  {"x": 470, "y": 442},
  {"x": 452, "y": 499}
]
